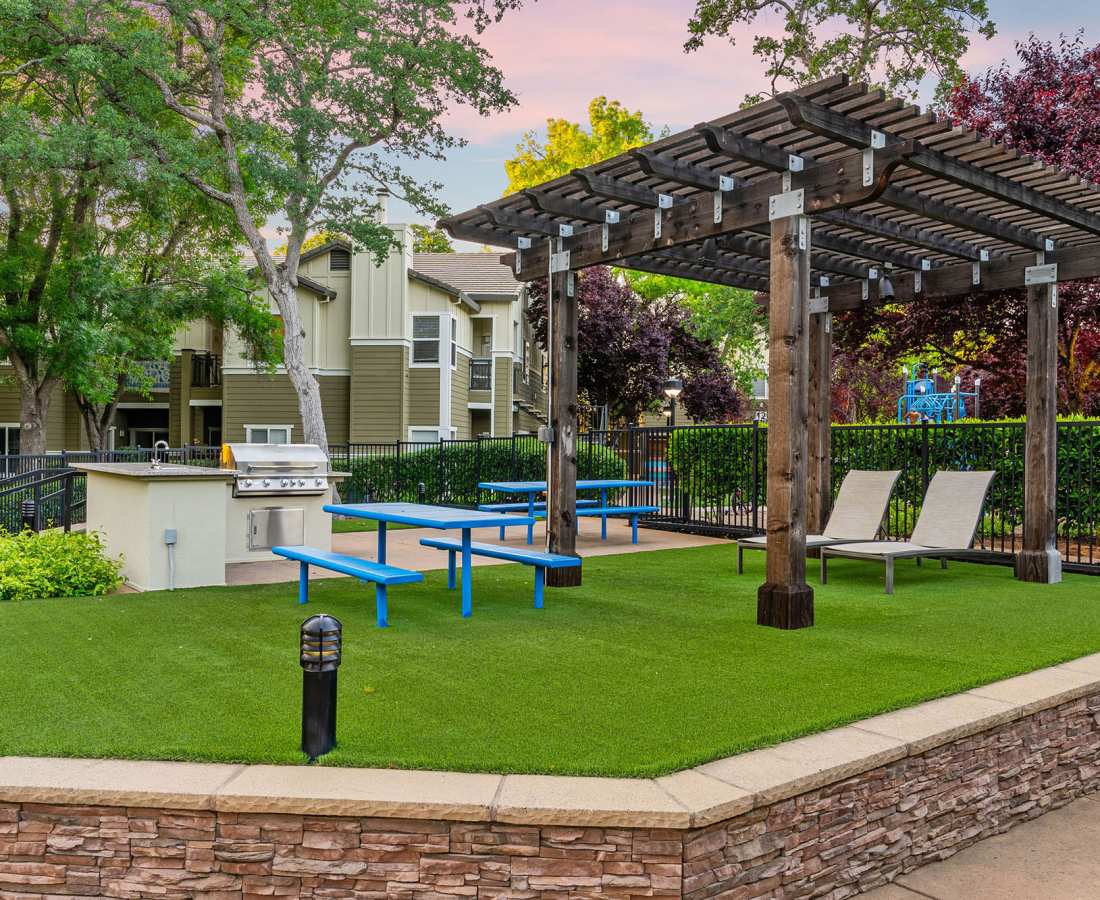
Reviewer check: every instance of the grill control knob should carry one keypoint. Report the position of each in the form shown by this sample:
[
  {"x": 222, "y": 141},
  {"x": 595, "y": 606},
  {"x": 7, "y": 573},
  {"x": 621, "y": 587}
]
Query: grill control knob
[
  {"x": 267, "y": 482},
  {"x": 283, "y": 483},
  {"x": 317, "y": 482},
  {"x": 247, "y": 482}
]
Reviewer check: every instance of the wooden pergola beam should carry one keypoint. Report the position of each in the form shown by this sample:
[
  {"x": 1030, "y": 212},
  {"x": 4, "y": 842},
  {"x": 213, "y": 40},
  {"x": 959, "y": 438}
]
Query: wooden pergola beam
[
  {"x": 856, "y": 133},
  {"x": 661, "y": 165},
  {"x": 828, "y": 185},
  {"x": 617, "y": 189},
  {"x": 1006, "y": 273},
  {"x": 661, "y": 264},
  {"x": 556, "y": 205},
  {"x": 759, "y": 247},
  {"x": 917, "y": 237}
]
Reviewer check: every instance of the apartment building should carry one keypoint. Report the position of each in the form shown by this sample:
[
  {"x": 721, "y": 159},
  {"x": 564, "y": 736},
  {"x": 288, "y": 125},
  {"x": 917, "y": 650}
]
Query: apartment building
[{"x": 423, "y": 347}]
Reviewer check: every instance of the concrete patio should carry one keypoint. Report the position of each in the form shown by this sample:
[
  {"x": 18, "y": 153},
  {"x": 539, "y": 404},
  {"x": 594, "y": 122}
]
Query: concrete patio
[{"x": 403, "y": 548}]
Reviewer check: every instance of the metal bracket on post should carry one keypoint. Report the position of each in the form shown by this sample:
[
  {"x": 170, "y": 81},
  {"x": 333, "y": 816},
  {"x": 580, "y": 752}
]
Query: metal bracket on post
[
  {"x": 917, "y": 282},
  {"x": 725, "y": 183},
  {"x": 795, "y": 163},
  {"x": 864, "y": 289},
  {"x": 569, "y": 284},
  {"x": 828, "y": 322},
  {"x": 868, "y": 167},
  {"x": 522, "y": 243},
  {"x": 872, "y": 273},
  {"x": 664, "y": 201},
  {"x": 610, "y": 217},
  {"x": 559, "y": 262},
  {"x": 878, "y": 140},
  {"x": 976, "y": 273},
  {"x": 823, "y": 280},
  {"x": 818, "y": 304},
  {"x": 789, "y": 203},
  {"x": 1043, "y": 273},
  {"x": 1048, "y": 245},
  {"x": 565, "y": 231},
  {"x": 803, "y": 233}
]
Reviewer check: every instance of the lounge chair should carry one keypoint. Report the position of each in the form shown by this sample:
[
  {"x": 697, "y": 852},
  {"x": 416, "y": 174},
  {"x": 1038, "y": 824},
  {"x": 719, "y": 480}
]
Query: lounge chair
[
  {"x": 856, "y": 516},
  {"x": 945, "y": 527}
]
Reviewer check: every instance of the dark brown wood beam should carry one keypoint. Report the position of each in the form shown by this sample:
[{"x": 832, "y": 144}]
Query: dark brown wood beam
[
  {"x": 505, "y": 218},
  {"x": 617, "y": 189},
  {"x": 659, "y": 264},
  {"x": 732, "y": 145},
  {"x": 907, "y": 234},
  {"x": 846, "y": 129},
  {"x": 832, "y": 184},
  {"x": 556, "y": 205},
  {"x": 758, "y": 246},
  {"x": 561, "y": 496},
  {"x": 785, "y": 600},
  {"x": 478, "y": 234},
  {"x": 688, "y": 174},
  {"x": 1006, "y": 273},
  {"x": 1039, "y": 559},
  {"x": 819, "y": 422}
]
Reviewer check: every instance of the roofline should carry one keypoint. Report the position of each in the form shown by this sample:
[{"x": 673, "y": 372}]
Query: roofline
[
  {"x": 314, "y": 252},
  {"x": 461, "y": 296}
]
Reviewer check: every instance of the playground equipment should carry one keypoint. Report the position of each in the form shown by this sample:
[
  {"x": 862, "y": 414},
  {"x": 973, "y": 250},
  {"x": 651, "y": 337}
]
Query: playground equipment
[{"x": 923, "y": 401}]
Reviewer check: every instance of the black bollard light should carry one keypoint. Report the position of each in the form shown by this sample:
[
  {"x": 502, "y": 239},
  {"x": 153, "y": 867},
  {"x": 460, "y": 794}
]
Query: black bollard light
[
  {"x": 28, "y": 515},
  {"x": 321, "y": 638},
  {"x": 421, "y": 490}
]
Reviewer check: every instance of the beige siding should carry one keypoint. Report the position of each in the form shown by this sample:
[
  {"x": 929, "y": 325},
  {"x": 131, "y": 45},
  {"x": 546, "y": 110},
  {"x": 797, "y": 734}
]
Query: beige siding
[
  {"x": 379, "y": 393},
  {"x": 423, "y": 397},
  {"x": 460, "y": 391},
  {"x": 502, "y": 383},
  {"x": 270, "y": 400}
]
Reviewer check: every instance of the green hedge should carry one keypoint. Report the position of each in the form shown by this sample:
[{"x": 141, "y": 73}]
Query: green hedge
[
  {"x": 55, "y": 564},
  {"x": 714, "y": 465},
  {"x": 450, "y": 472}
]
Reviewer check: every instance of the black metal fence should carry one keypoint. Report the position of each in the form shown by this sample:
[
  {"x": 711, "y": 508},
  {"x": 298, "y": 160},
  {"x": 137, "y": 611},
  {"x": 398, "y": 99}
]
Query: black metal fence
[{"x": 707, "y": 479}]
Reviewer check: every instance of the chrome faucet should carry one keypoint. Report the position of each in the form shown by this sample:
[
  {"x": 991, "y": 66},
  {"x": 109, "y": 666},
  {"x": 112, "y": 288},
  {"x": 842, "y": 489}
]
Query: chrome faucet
[{"x": 156, "y": 460}]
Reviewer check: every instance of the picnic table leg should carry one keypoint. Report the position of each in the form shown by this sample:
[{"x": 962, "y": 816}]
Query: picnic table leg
[
  {"x": 502, "y": 532},
  {"x": 531, "y": 514},
  {"x": 303, "y": 583},
  {"x": 467, "y": 581},
  {"x": 382, "y": 542},
  {"x": 633, "y": 529},
  {"x": 381, "y": 610},
  {"x": 539, "y": 580},
  {"x": 603, "y": 518},
  {"x": 450, "y": 570}
]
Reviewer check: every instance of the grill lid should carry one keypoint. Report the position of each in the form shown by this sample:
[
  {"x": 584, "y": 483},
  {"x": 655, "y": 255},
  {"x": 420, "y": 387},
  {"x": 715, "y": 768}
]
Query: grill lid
[{"x": 260, "y": 459}]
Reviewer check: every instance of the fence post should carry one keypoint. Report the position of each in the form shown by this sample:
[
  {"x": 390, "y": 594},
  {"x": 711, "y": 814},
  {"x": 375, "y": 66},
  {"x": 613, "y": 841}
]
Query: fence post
[
  {"x": 397, "y": 472},
  {"x": 38, "y": 505},
  {"x": 477, "y": 473},
  {"x": 925, "y": 477},
  {"x": 64, "y": 458},
  {"x": 67, "y": 501},
  {"x": 515, "y": 462}
]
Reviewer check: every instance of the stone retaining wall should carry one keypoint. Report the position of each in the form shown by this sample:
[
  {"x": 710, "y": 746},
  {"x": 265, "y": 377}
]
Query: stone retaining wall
[{"x": 874, "y": 807}]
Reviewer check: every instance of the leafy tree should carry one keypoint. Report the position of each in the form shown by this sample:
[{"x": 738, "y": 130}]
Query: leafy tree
[
  {"x": 312, "y": 242},
  {"x": 613, "y": 129},
  {"x": 894, "y": 42},
  {"x": 1050, "y": 109},
  {"x": 430, "y": 240},
  {"x": 96, "y": 245},
  {"x": 729, "y": 318},
  {"x": 627, "y": 348},
  {"x": 299, "y": 107}
]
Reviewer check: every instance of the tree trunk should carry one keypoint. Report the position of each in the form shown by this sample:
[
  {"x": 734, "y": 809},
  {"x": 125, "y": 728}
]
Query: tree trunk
[
  {"x": 303, "y": 380},
  {"x": 34, "y": 409}
]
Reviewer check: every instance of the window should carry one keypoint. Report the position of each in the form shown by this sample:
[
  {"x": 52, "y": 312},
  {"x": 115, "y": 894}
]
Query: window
[
  {"x": 425, "y": 340},
  {"x": 339, "y": 260},
  {"x": 424, "y": 435},
  {"x": 526, "y": 360},
  {"x": 267, "y": 434},
  {"x": 9, "y": 439},
  {"x": 454, "y": 342}
]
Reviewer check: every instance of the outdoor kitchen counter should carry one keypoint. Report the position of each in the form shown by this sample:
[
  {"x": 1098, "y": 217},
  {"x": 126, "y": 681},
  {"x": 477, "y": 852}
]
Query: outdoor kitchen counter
[
  {"x": 168, "y": 524},
  {"x": 145, "y": 470}
]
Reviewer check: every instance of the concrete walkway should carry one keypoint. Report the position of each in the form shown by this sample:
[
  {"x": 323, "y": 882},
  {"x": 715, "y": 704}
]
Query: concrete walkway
[
  {"x": 1054, "y": 857},
  {"x": 403, "y": 548}
]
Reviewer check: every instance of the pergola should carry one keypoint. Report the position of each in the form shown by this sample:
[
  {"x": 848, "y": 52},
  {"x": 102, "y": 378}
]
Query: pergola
[{"x": 831, "y": 197}]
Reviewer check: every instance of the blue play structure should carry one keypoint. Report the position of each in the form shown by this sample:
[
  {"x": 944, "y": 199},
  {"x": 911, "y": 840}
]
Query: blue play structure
[{"x": 923, "y": 401}]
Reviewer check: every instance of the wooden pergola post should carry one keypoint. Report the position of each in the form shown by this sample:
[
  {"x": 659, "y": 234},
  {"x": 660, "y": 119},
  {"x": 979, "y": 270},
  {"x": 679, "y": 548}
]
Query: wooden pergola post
[
  {"x": 561, "y": 497},
  {"x": 819, "y": 433},
  {"x": 785, "y": 600},
  {"x": 1039, "y": 559}
]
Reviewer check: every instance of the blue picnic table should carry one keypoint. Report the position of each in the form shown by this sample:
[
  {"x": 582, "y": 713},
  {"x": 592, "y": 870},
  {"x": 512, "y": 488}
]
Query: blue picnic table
[
  {"x": 425, "y": 516},
  {"x": 533, "y": 488}
]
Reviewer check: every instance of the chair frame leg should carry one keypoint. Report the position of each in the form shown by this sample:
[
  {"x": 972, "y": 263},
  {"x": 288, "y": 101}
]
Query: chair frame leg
[
  {"x": 943, "y": 562},
  {"x": 889, "y": 575},
  {"x": 824, "y": 568},
  {"x": 740, "y": 560}
]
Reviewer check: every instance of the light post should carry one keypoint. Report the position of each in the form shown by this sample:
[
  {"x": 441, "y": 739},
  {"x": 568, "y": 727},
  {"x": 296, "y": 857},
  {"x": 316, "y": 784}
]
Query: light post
[{"x": 673, "y": 388}]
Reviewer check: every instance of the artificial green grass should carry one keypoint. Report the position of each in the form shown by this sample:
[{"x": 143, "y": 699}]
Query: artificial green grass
[{"x": 654, "y": 664}]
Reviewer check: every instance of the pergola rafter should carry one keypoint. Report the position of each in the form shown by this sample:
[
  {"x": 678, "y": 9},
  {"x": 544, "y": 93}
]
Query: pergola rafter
[{"x": 834, "y": 188}]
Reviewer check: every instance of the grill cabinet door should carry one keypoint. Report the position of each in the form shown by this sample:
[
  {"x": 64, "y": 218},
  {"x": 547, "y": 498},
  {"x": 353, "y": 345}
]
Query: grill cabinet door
[{"x": 276, "y": 526}]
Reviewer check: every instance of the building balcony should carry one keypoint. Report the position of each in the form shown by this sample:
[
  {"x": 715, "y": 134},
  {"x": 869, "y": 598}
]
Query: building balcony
[
  {"x": 155, "y": 376},
  {"x": 206, "y": 370},
  {"x": 481, "y": 374}
]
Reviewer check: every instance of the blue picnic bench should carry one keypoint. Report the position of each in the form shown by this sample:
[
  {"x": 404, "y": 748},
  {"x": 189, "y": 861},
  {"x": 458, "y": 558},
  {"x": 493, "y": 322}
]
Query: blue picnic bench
[
  {"x": 380, "y": 574},
  {"x": 531, "y": 507},
  {"x": 538, "y": 559},
  {"x": 606, "y": 512}
]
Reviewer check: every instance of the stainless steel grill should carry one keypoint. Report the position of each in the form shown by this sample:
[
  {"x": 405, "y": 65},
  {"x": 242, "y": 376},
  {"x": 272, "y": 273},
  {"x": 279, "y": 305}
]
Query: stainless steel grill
[{"x": 277, "y": 469}]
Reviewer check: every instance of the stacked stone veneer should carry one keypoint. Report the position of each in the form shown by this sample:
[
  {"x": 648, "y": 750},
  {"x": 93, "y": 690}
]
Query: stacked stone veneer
[{"x": 833, "y": 841}]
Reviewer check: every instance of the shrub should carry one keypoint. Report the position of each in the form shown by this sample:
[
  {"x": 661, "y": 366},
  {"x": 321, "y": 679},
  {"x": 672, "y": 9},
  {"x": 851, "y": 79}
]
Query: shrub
[
  {"x": 450, "y": 471},
  {"x": 55, "y": 564}
]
